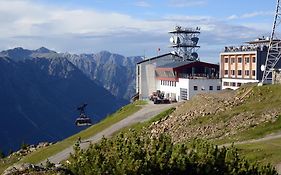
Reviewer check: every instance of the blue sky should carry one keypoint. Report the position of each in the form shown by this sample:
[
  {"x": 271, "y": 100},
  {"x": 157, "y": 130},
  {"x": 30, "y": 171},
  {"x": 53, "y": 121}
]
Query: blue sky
[{"x": 131, "y": 27}]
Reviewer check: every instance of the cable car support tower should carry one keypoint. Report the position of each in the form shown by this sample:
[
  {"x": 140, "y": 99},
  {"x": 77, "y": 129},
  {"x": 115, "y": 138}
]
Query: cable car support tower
[{"x": 274, "y": 49}]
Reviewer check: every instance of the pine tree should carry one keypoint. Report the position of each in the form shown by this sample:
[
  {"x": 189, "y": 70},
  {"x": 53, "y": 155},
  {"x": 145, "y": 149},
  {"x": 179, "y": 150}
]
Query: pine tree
[{"x": 2, "y": 155}]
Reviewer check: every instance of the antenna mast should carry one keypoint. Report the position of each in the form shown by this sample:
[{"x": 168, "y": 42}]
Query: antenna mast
[
  {"x": 184, "y": 41},
  {"x": 274, "y": 49}
]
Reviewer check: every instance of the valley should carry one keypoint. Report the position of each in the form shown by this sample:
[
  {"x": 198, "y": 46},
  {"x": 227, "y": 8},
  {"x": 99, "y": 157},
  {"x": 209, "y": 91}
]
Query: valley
[{"x": 41, "y": 89}]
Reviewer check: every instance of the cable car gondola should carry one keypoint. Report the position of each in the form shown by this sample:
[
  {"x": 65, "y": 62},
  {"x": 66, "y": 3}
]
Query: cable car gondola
[{"x": 83, "y": 120}]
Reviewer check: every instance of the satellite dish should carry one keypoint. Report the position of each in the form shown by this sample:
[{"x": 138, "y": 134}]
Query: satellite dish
[
  {"x": 172, "y": 40},
  {"x": 174, "y": 52},
  {"x": 262, "y": 67},
  {"x": 195, "y": 40},
  {"x": 177, "y": 41},
  {"x": 194, "y": 55}
]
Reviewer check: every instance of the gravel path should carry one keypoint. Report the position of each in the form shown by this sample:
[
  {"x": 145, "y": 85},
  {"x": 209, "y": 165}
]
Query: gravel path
[
  {"x": 147, "y": 112},
  {"x": 266, "y": 138}
]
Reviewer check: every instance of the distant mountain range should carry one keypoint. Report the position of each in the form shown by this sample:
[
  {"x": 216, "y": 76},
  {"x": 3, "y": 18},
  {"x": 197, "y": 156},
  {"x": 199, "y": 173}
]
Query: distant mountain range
[
  {"x": 40, "y": 90},
  {"x": 114, "y": 72}
]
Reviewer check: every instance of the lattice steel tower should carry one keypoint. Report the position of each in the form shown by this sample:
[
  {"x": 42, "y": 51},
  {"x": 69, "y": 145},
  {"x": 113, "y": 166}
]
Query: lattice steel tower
[
  {"x": 184, "y": 41},
  {"x": 274, "y": 49}
]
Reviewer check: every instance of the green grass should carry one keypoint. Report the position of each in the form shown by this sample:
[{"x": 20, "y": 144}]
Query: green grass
[
  {"x": 6, "y": 162},
  {"x": 122, "y": 113},
  {"x": 140, "y": 102},
  {"x": 263, "y": 152},
  {"x": 263, "y": 99}
]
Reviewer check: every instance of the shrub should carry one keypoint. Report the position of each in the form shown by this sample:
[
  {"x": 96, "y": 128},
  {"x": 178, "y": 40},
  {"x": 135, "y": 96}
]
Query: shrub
[{"x": 131, "y": 153}]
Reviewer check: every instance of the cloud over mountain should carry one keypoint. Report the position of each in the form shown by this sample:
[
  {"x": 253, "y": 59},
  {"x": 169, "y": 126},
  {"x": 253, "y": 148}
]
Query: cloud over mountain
[{"x": 78, "y": 30}]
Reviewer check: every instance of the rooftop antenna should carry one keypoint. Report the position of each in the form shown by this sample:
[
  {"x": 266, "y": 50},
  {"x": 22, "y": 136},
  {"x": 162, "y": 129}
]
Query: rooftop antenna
[
  {"x": 184, "y": 41},
  {"x": 274, "y": 49}
]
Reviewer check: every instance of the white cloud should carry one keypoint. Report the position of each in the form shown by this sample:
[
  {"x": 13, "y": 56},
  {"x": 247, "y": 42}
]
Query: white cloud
[
  {"x": 25, "y": 23},
  {"x": 142, "y": 4},
  {"x": 251, "y": 15},
  {"x": 232, "y": 17},
  {"x": 186, "y": 3}
]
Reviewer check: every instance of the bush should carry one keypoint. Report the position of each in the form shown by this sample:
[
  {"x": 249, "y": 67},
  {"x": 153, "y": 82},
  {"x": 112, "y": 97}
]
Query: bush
[
  {"x": 2, "y": 155},
  {"x": 24, "y": 146},
  {"x": 130, "y": 153}
]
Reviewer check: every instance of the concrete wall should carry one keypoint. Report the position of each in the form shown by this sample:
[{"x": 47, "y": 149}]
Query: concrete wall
[
  {"x": 146, "y": 81},
  {"x": 150, "y": 79}
]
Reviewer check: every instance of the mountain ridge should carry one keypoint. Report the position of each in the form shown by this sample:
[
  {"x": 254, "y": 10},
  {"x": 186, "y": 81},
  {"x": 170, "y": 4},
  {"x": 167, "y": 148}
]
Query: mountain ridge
[
  {"x": 41, "y": 94},
  {"x": 114, "y": 72}
]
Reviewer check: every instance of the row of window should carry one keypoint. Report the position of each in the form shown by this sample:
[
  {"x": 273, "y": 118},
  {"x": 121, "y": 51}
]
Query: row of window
[
  {"x": 239, "y": 60},
  {"x": 239, "y": 72},
  {"x": 195, "y": 88},
  {"x": 168, "y": 83},
  {"x": 234, "y": 84}
]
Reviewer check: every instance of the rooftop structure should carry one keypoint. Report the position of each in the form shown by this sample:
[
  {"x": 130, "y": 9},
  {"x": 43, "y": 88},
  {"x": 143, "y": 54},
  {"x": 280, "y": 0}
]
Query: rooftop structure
[{"x": 184, "y": 42}]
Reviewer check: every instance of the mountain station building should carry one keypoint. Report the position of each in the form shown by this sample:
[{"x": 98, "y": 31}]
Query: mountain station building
[
  {"x": 178, "y": 80},
  {"x": 242, "y": 64}
]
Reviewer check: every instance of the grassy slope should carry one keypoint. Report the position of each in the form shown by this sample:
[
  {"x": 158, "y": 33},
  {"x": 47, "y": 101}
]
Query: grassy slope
[
  {"x": 44, "y": 153},
  {"x": 5, "y": 163},
  {"x": 264, "y": 152},
  {"x": 262, "y": 99}
]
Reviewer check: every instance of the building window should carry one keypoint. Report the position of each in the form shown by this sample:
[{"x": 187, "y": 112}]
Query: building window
[
  {"x": 225, "y": 60},
  {"x": 210, "y": 88},
  {"x": 195, "y": 88},
  {"x": 253, "y": 72},
  {"x": 239, "y": 60},
  {"x": 218, "y": 88},
  {"x": 239, "y": 72},
  {"x": 247, "y": 72},
  {"x": 225, "y": 83},
  {"x": 238, "y": 84},
  {"x": 202, "y": 88},
  {"x": 232, "y": 72},
  {"x": 254, "y": 59},
  {"x": 233, "y": 84},
  {"x": 232, "y": 60},
  {"x": 247, "y": 60},
  {"x": 225, "y": 72}
]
